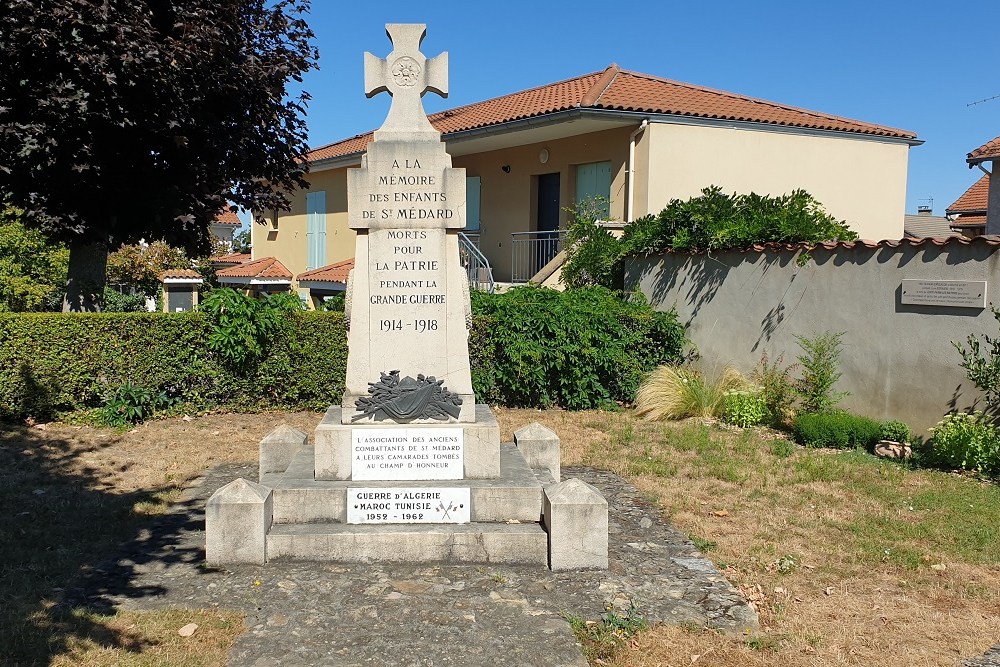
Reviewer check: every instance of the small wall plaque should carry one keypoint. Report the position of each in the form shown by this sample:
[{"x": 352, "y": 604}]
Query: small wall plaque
[
  {"x": 407, "y": 453},
  {"x": 955, "y": 293},
  {"x": 408, "y": 505}
]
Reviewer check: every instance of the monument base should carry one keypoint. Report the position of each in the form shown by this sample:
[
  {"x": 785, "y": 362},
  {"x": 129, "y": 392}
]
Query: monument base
[{"x": 519, "y": 514}]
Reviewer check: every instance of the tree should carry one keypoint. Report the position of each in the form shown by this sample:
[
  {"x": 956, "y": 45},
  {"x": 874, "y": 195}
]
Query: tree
[
  {"x": 139, "y": 265},
  {"x": 32, "y": 268},
  {"x": 130, "y": 119}
]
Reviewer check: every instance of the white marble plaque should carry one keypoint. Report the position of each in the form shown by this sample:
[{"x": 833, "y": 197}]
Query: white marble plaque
[
  {"x": 959, "y": 293},
  {"x": 408, "y": 505},
  {"x": 407, "y": 453}
]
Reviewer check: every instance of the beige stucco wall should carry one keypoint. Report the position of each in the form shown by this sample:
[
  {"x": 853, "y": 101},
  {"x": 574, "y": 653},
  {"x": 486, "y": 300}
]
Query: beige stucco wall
[
  {"x": 898, "y": 361},
  {"x": 857, "y": 180},
  {"x": 288, "y": 241},
  {"x": 508, "y": 200}
]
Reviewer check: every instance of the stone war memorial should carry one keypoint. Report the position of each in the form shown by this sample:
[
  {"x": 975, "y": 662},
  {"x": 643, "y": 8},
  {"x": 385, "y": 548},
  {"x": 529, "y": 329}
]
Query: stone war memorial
[{"x": 408, "y": 468}]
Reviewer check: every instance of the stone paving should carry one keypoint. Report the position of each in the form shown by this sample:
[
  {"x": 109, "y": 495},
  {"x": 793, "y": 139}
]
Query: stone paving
[{"x": 322, "y": 614}]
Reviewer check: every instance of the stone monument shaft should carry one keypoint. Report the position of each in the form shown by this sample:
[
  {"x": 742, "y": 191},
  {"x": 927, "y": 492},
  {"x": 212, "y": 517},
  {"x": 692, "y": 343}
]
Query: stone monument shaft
[{"x": 408, "y": 297}]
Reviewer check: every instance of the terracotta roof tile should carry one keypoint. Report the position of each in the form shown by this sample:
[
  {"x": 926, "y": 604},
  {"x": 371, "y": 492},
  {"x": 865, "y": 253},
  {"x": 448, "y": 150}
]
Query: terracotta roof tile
[
  {"x": 268, "y": 267},
  {"x": 232, "y": 258},
  {"x": 974, "y": 199},
  {"x": 334, "y": 273},
  {"x": 227, "y": 217},
  {"x": 988, "y": 151},
  {"x": 993, "y": 241},
  {"x": 970, "y": 220},
  {"x": 179, "y": 273},
  {"x": 622, "y": 90}
]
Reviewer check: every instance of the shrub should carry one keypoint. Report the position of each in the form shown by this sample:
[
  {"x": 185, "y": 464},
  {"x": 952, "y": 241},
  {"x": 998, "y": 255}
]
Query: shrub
[
  {"x": 715, "y": 220},
  {"x": 820, "y": 360},
  {"x": 777, "y": 389},
  {"x": 966, "y": 441},
  {"x": 840, "y": 430},
  {"x": 671, "y": 392},
  {"x": 244, "y": 326},
  {"x": 896, "y": 431},
  {"x": 593, "y": 254},
  {"x": 118, "y": 302},
  {"x": 131, "y": 404},
  {"x": 744, "y": 408},
  {"x": 579, "y": 349},
  {"x": 983, "y": 371}
]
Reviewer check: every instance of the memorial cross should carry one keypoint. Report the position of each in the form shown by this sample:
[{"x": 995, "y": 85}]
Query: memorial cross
[{"x": 406, "y": 74}]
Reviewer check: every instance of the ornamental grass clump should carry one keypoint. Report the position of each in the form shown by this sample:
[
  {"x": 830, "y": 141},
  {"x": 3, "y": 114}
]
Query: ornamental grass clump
[{"x": 672, "y": 392}]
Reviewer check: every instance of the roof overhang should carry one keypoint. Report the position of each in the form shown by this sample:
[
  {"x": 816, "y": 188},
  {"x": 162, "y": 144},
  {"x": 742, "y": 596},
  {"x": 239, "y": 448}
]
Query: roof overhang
[
  {"x": 576, "y": 122},
  {"x": 249, "y": 280},
  {"x": 329, "y": 285},
  {"x": 973, "y": 161},
  {"x": 181, "y": 281}
]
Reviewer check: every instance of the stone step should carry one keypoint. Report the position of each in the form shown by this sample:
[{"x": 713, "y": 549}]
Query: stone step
[
  {"x": 298, "y": 498},
  {"x": 522, "y": 544}
]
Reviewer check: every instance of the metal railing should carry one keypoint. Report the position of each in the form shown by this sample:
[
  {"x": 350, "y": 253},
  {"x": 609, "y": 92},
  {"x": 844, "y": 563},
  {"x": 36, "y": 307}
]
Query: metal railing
[
  {"x": 477, "y": 267},
  {"x": 530, "y": 251}
]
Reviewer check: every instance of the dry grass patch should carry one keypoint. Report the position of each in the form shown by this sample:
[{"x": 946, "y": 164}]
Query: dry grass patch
[
  {"x": 848, "y": 559},
  {"x": 71, "y": 495}
]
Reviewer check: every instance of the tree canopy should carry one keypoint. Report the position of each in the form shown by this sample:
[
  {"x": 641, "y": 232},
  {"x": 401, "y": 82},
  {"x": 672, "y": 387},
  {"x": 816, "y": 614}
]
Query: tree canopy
[
  {"x": 130, "y": 119},
  {"x": 32, "y": 268}
]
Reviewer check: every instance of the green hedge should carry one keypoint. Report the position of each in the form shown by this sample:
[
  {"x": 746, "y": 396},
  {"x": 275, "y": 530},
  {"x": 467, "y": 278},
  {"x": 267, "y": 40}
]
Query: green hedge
[
  {"x": 836, "y": 429},
  {"x": 53, "y": 362},
  {"x": 530, "y": 347}
]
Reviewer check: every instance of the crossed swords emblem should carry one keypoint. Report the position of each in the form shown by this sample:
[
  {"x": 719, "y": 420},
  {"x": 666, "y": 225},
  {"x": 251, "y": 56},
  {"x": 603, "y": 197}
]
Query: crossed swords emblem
[{"x": 446, "y": 509}]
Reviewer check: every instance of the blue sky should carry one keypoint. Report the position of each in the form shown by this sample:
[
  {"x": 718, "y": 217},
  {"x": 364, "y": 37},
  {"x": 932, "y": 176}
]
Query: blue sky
[{"x": 914, "y": 65}]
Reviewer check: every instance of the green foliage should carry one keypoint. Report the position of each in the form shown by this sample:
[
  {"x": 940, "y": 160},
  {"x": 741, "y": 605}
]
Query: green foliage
[
  {"x": 593, "y": 254},
  {"x": 715, "y": 221},
  {"x": 604, "y": 639},
  {"x": 896, "y": 431},
  {"x": 744, "y": 408},
  {"x": 51, "y": 363},
  {"x": 983, "y": 370},
  {"x": 711, "y": 221},
  {"x": 131, "y": 404},
  {"x": 777, "y": 389},
  {"x": 117, "y": 302},
  {"x": 579, "y": 349},
  {"x": 820, "y": 361},
  {"x": 139, "y": 266},
  {"x": 333, "y": 304},
  {"x": 32, "y": 268},
  {"x": 243, "y": 326},
  {"x": 968, "y": 442},
  {"x": 840, "y": 430}
]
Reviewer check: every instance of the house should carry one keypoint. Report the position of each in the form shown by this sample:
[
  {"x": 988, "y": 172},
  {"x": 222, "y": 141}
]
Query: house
[
  {"x": 262, "y": 276},
  {"x": 979, "y": 207},
  {"x": 224, "y": 226},
  {"x": 634, "y": 139},
  {"x": 968, "y": 213}
]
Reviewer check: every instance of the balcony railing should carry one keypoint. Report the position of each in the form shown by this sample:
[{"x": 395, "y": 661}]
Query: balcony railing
[
  {"x": 530, "y": 251},
  {"x": 477, "y": 267}
]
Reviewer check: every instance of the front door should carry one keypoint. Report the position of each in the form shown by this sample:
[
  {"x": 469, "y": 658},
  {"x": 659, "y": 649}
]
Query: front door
[{"x": 547, "y": 241}]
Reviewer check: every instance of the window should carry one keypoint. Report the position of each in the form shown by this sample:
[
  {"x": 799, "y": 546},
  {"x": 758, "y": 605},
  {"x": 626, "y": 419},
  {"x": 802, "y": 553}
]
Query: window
[
  {"x": 472, "y": 188},
  {"x": 594, "y": 180},
  {"x": 316, "y": 229}
]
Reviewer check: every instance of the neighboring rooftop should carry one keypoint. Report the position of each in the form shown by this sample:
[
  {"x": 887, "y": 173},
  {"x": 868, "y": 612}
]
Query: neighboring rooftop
[
  {"x": 618, "y": 90},
  {"x": 232, "y": 258},
  {"x": 973, "y": 200},
  {"x": 988, "y": 151},
  {"x": 227, "y": 217},
  {"x": 331, "y": 273},
  {"x": 179, "y": 274},
  {"x": 926, "y": 225},
  {"x": 267, "y": 268}
]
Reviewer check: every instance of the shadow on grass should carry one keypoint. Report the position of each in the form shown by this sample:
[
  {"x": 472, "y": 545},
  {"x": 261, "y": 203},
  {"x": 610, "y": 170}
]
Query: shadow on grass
[{"x": 70, "y": 545}]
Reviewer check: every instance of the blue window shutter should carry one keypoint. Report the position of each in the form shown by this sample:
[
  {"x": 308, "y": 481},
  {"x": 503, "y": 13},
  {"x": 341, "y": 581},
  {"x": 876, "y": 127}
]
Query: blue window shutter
[
  {"x": 594, "y": 180},
  {"x": 472, "y": 188},
  {"x": 315, "y": 229}
]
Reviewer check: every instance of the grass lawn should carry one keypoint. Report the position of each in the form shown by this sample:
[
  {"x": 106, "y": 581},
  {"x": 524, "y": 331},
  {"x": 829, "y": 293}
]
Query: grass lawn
[{"x": 848, "y": 560}]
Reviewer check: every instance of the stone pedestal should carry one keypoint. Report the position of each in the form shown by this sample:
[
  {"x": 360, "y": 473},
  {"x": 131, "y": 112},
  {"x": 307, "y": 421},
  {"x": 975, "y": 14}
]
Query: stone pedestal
[
  {"x": 576, "y": 518},
  {"x": 278, "y": 448},
  {"x": 237, "y": 520}
]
